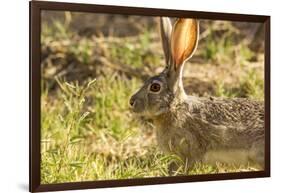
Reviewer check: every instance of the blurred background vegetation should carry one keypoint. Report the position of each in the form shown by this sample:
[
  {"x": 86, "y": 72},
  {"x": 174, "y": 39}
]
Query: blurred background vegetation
[{"x": 92, "y": 64}]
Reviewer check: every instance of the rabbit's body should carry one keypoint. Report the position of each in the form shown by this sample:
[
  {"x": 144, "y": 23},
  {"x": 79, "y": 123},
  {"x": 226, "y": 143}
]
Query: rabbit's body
[
  {"x": 198, "y": 129},
  {"x": 211, "y": 129}
]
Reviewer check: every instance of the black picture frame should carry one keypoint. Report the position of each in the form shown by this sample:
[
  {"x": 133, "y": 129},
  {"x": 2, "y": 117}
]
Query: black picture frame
[{"x": 35, "y": 92}]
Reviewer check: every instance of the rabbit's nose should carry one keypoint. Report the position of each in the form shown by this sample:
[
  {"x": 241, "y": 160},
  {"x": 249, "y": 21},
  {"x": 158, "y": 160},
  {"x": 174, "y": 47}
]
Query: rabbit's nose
[{"x": 132, "y": 101}]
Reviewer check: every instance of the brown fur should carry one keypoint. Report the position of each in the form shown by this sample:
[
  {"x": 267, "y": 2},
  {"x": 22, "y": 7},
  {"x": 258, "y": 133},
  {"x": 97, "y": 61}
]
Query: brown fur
[{"x": 204, "y": 125}]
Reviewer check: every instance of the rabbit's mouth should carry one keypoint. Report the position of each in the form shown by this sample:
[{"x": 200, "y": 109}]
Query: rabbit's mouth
[
  {"x": 136, "y": 105},
  {"x": 138, "y": 110}
]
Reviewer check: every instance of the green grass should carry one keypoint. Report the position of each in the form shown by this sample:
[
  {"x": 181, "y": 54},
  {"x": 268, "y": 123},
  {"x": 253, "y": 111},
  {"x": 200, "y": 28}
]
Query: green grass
[
  {"x": 251, "y": 85},
  {"x": 88, "y": 134},
  {"x": 136, "y": 54},
  {"x": 219, "y": 49}
]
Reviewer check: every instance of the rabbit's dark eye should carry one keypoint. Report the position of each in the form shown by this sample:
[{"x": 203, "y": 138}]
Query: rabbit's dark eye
[{"x": 155, "y": 87}]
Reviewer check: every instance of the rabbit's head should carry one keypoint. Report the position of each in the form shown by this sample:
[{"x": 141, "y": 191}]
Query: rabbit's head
[{"x": 179, "y": 43}]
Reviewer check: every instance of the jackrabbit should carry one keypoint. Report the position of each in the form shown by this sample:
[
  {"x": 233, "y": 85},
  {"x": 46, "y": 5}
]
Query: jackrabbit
[{"x": 197, "y": 128}]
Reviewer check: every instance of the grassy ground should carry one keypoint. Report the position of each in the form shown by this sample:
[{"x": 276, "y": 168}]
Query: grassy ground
[{"x": 88, "y": 132}]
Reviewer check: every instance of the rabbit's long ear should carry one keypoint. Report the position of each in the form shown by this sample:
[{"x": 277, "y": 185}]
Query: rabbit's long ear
[
  {"x": 184, "y": 40},
  {"x": 166, "y": 31}
]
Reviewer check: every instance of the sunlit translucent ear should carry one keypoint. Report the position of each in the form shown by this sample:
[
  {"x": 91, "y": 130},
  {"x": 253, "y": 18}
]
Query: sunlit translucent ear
[
  {"x": 184, "y": 40},
  {"x": 166, "y": 30}
]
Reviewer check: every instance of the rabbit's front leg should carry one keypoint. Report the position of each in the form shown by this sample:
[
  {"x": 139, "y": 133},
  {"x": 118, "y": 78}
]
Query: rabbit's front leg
[{"x": 187, "y": 148}]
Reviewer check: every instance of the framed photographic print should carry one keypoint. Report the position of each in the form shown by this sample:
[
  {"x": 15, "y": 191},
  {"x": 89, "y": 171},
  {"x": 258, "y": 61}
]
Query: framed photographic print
[{"x": 123, "y": 96}]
